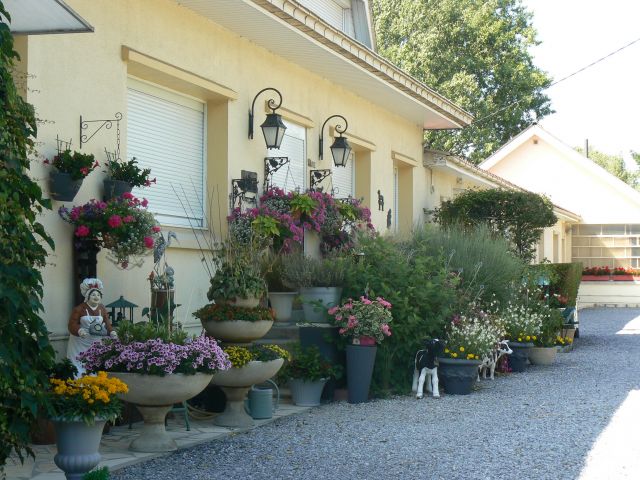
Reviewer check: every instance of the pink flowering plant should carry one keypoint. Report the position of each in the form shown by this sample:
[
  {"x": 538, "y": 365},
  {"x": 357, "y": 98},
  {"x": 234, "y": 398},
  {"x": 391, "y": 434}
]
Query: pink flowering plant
[
  {"x": 152, "y": 350},
  {"x": 284, "y": 217},
  {"x": 76, "y": 164},
  {"x": 122, "y": 225},
  {"x": 363, "y": 318}
]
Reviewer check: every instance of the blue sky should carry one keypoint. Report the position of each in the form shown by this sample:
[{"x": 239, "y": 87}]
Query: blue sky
[{"x": 603, "y": 102}]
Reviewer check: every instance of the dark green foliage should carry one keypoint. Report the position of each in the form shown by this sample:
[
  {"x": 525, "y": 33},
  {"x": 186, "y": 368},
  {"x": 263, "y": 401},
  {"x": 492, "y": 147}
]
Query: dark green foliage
[
  {"x": 225, "y": 312},
  {"x": 477, "y": 54},
  {"x": 64, "y": 370},
  {"x": 421, "y": 292},
  {"x": 614, "y": 164},
  {"x": 307, "y": 364},
  {"x": 519, "y": 217},
  {"x": 564, "y": 278},
  {"x": 129, "y": 172},
  {"x": 25, "y": 353},
  {"x": 97, "y": 474}
]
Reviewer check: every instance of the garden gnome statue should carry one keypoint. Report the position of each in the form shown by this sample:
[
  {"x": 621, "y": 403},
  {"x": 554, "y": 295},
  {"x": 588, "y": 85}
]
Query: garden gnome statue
[{"x": 89, "y": 322}]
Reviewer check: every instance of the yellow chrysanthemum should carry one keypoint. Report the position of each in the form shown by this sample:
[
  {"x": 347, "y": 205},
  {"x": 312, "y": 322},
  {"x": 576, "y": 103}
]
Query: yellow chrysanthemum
[
  {"x": 462, "y": 349},
  {"x": 528, "y": 337}
]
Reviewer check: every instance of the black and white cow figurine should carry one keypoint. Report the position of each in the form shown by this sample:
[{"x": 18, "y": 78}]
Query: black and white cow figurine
[
  {"x": 490, "y": 361},
  {"x": 426, "y": 369}
]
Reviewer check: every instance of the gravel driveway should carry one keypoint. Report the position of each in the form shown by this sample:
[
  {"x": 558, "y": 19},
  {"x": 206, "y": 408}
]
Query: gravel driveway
[{"x": 553, "y": 422}]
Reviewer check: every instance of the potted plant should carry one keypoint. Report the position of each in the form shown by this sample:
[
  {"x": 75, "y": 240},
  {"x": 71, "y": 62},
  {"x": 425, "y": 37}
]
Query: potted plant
[
  {"x": 365, "y": 323},
  {"x": 81, "y": 408},
  {"x": 468, "y": 339},
  {"x": 249, "y": 366},
  {"x": 70, "y": 170},
  {"x": 280, "y": 296},
  {"x": 161, "y": 367},
  {"x": 544, "y": 350},
  {"x": 236, "y": 324},
  {"x": 522, "y": 324},
  {"x": 123, "y": 176},
  {"x": 307, "y": 373},
  {"x": 238, "y": 278},
  {"x": 123, "y": 226}
]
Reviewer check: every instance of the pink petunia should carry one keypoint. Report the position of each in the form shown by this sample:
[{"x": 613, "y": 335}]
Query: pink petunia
[
  {"x": 127, "y": 195},
  {"x": 353, "y": 322},
  {"x": 148, "y": 242},
  {"x": 82, "y": 231},
  {"x": 383, "y": 302},
  {"x": 84, "y": 171},
  {"x": 365, "y": 300},
  {"x": 144, "y": 202},
  {"x": 155, "y": 229},
  {"x": 386, "y": 330},
  {"x": 332, "y": 310},
  {"x": 114, "y": 221},
  {"x": 128, "y": 219},
  {"x": 102, "y": 205}
]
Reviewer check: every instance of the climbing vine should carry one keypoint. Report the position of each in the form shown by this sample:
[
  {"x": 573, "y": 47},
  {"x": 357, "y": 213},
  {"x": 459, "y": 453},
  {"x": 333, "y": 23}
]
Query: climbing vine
[{"x": 25, "y": 352}]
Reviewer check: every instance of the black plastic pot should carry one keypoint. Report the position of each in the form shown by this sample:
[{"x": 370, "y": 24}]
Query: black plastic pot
[
  {"x": 62, "y": 187},
  {"x": 457, "y": 375},
  {"x": 115, "y": 188},
  {"x": 519, "y": 359},
  {"x": 360, "y": 362}
]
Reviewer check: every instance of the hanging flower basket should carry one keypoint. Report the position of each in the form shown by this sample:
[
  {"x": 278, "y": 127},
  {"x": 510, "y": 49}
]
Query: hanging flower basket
[
  {"x": 63, "y": 187},
  {"x": 115, "y": 188}
]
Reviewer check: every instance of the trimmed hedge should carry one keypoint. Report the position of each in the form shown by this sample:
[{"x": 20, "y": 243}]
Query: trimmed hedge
[{"x": 564, "y": 278}]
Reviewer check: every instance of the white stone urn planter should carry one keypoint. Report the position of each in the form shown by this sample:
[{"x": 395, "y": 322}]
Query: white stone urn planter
[
  {"x": 543, "y": 355},
  {"x": 154, "y": 396},
  {"x": 235, "y": 383},
  {"x": 237, "y": 331}
]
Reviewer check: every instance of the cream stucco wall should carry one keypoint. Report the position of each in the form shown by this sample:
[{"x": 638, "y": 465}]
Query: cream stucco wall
[
  {"x": 85, "y": 74},
  {"x": 538, "y": 166}
]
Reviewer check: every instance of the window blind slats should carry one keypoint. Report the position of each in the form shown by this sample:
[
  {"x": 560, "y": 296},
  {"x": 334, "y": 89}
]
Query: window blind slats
[
  {"x": 342, "y": 180},
  {"x": 291, "y": 176}
]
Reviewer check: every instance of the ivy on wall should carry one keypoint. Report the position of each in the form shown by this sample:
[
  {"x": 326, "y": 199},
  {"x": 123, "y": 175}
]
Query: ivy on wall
[
  {"x": 520, "y": 217},
  {"x": 25, "y": 352}
]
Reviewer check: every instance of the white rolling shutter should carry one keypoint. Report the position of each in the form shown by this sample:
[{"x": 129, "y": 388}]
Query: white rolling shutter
[
  {"x": 292, "y": 175},
  {"x": 396, "y": 201},
  {"x": 342, "y": 179},
  {"x": 165, "y": 132}
]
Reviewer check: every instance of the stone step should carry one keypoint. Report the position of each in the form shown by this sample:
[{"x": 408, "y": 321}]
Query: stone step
[{"x": 283, "y": 330}]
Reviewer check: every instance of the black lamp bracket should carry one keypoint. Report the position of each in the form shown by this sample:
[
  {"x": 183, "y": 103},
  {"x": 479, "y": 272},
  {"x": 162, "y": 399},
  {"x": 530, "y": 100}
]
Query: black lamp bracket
[
  {"x": 271, "y": 166},
  {"x": 272, "y": 105},
  {"x": 106, "y": 124},
  {"x": 339, "y": 128},
  {"x": 244, "y": 190},
  {"x": 317, "y": 176}
]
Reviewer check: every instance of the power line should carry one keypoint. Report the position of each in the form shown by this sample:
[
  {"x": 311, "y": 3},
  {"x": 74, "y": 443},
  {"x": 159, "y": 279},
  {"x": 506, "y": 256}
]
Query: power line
[{"x": 557, "y": 81}]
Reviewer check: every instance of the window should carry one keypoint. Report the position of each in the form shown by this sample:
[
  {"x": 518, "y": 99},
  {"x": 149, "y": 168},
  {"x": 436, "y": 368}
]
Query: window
[
  {"x": 600, "y": 245},
  {"x": 165, "y": 132},
  {"x": 342, "y": 178},
  {"x": 291, "y": 176}
]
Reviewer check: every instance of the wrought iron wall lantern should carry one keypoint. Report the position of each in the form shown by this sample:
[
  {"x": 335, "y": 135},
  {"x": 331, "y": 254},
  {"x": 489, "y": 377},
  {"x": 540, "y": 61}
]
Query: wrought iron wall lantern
[
  {"x": 273, "y": 128},
  {"x": 244, "y": 189},
  {"x": 316, "y": 177},
  {"x": 340, "y": 150}
]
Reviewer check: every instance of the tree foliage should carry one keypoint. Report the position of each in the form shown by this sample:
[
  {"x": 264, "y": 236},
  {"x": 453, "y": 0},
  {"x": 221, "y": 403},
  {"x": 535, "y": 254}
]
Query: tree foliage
[
  {"x": 614, "y": 164},
  {"x": 25, "y": 352},
  {"x": 519, "y": 217},
  {"x": 474, "y": 52}
]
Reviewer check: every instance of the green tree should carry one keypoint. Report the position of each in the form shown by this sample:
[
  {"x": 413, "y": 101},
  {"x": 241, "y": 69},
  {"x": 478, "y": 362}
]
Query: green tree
[
  {"x": 25, "y": 352},
  {"x": 613, "y": 164},
  {"x": 476, "y": 53},
  {"x": 519, "y": 217}
]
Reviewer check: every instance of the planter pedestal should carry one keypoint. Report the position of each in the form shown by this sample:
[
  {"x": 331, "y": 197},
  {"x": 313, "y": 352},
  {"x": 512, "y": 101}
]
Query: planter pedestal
[
  {"x": 154, "y": 436},
  {"x": 234, "y": 414},
  {"x": 78, "y": 445},
  {"x": 520, "y": 356}
]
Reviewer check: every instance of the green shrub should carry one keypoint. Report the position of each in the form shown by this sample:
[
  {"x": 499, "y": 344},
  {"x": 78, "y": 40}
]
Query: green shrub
[
  {"x": 421, "y": 293},
  {"x": 488, "y": 270},
  {"x": 97, "y": 474},
  {"x": 564, "y": 278}
]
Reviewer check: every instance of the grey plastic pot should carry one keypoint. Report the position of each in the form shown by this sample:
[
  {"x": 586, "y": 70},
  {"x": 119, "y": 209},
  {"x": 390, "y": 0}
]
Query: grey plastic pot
[
  {"x": 519, "y": 359},
  {"x": 282, "y": 303},
  {"x": 360, "y": 362},
  {"x": 306, "y": 393},
  {"x": 115, "y": 188},
  {"x": 542, "y": 355},
  {"x": 62, "y": 187},
  {"x": 327, "y": 296},
  {"x": 78, "y": 445},
  {"x": 457, "y": 375}
]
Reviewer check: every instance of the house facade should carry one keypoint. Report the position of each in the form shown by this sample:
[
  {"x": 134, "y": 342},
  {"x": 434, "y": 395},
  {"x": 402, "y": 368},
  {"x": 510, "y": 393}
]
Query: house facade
[
  {"x": 608, "y": 233},
  {"x": 171, "y": 83}
]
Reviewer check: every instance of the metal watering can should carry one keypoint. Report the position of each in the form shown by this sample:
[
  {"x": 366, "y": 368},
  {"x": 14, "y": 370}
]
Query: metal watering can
[{"x": 259, "y": 403}]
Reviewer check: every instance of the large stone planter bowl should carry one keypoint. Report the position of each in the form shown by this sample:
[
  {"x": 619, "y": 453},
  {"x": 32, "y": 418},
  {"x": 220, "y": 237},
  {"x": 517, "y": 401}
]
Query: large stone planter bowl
[
  {"x": 154, "y": 396},
  {"x": 235, "y": 384},
  {"x": 543, "y": 355},
  {"x": 237, "y": 331},
  {"x": 252, "y": 373}
]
